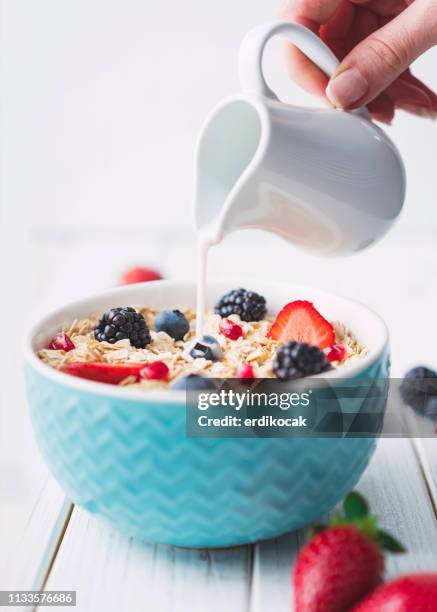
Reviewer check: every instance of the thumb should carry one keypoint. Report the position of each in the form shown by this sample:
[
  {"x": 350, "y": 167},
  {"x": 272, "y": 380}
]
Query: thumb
[{"x": 381, "y": 57}]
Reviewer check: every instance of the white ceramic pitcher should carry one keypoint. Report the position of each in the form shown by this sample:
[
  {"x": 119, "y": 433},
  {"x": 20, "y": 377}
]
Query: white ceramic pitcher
[{"x": 328, "y": 181}]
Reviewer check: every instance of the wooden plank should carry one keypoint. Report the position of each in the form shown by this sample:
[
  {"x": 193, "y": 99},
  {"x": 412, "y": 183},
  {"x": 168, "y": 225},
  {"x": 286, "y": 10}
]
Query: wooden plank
[
  {"x": 397, "y": 493},
  {"x": 111, "y": 572},
  {"x": 426, "y": 449},
  {"x": 32, "y": 506},
  {"x": 271, "y": 579},
  {"x": 31, "y": 558}
]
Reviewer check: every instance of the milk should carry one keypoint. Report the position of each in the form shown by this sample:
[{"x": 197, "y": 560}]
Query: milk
[{"x": 205, "y": 239}]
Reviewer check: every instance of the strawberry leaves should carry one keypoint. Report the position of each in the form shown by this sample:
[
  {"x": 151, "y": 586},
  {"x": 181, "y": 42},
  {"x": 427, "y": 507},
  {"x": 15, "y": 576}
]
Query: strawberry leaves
[
  {"x": 355, "y": 506},
  {"x": 356, "y": 513},
  {"x": 389, "y": 543}
]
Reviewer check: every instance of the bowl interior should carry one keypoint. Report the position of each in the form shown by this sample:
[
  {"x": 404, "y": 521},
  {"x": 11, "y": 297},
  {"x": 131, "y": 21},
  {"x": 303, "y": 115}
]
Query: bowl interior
[{"x": 368, "y": 328}]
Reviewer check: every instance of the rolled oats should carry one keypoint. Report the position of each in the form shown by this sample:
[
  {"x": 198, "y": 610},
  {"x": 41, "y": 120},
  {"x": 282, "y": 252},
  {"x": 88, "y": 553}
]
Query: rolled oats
[{"x": 253, "y": 347}]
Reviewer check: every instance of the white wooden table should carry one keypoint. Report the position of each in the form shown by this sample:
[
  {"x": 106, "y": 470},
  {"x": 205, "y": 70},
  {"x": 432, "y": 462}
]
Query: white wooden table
[{"x": 48, "y": 543}]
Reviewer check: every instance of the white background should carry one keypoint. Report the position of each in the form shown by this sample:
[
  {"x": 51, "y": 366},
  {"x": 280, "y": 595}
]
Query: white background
[
  {"x": 101, "y": 105},
  {"x": 103, "y": 101}
]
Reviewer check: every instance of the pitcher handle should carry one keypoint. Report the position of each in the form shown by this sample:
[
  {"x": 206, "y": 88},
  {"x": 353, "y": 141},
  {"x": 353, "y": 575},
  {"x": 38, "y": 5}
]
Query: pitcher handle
[{"x": 252, "y": 50}]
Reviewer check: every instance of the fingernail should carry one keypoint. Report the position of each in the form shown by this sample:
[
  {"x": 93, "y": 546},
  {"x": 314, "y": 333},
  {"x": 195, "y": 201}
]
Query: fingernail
[{"x": 346, "y": 88}]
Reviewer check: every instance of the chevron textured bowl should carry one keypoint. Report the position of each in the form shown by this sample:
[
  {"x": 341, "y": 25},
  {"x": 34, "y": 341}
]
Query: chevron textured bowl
[{"x": 124, "y": 455}]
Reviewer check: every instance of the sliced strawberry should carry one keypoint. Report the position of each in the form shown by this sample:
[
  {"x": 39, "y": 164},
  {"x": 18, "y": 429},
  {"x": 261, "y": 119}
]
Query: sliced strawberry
[
  {"x": 301, "y": 322},
  {"x": 109, "y": 373}
]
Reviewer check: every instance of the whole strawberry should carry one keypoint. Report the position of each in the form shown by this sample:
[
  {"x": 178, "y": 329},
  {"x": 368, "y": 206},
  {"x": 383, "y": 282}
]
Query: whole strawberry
[
  {"x": 343, "y": 562},
  {"x": 140, "y": 275},
  {"x": 414, "y": 593}
]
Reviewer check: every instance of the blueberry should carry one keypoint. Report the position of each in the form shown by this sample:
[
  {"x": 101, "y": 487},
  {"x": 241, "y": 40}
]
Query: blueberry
[
  {"x": 193, "y": 382},
  {"x": 201, "y": 350},
  {"x": 209, "y": 339},
  {"x": 418, "y": 384},
  {"x": 431, "y": 407},
  {"x": 173, "y": 323},
  {"x": 208, "y": 348},
  {"x": 214, "y": 346}
]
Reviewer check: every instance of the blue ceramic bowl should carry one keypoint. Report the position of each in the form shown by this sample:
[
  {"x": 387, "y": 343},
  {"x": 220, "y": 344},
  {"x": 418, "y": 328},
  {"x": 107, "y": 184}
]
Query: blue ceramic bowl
[{"x": 124, "y": 455}]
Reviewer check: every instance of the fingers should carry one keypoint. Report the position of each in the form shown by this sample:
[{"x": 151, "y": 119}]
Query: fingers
[
  {"x": 384, "y": 55},
  {"x": 409, "y": 78},
  {"x": 314, "y": 12},
  {"x": 304, "y": 72},
  {"x": 383, "y": 7},
  {"x": 343, "y": 25},
  {"x": 311, "y": 14},
  {"x": 411, "y": 98},
  {"x": 382, "y": 109},
  {"x": 338, "y": 32},
  {"x": 406, "y": 93}
]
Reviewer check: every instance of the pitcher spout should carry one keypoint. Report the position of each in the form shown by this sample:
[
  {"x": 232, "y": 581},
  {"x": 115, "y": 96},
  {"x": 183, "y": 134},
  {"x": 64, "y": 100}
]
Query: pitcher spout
[{"x": 228, "y": 151}]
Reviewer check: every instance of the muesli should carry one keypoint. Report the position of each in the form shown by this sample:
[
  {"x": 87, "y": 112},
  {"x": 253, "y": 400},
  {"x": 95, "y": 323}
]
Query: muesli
[{"x": 142, "y": 347}]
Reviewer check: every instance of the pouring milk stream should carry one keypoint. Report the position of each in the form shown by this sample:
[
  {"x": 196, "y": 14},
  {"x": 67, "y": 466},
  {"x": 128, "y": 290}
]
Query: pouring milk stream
[{"x": 329, "y": 181}]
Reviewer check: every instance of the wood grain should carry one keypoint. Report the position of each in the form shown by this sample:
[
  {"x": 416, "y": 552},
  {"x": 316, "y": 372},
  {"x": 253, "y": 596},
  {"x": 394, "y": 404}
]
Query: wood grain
[
  {"x": 110, "y": 570},
  {"x": 112, "y": 573},
  {"x": 36, "y": 549}
]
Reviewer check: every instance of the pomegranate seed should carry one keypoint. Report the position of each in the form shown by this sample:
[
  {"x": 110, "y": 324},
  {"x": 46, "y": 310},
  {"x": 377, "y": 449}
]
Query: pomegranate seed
[
  {"x": 246, "y": 371},
  {"x": 336, "y": 352},
  {"x": 61, "y": 342},
  {"x": 139, "y": 275},
  {"x": 231, "y": 330},
  {"x": 157, "y": 370}
]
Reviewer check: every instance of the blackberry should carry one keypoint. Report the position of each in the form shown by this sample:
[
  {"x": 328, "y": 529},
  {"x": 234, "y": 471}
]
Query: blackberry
[
  {"x": 123, "y": 323},
  {"x": 418, "y": 384},
  {"x": 250, "y": 306},
  {"x": 298, "y": 359}
]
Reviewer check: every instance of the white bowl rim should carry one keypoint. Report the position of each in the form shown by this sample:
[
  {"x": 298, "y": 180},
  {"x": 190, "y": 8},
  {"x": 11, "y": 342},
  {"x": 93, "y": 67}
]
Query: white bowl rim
[{"x": 170, "y": 396}]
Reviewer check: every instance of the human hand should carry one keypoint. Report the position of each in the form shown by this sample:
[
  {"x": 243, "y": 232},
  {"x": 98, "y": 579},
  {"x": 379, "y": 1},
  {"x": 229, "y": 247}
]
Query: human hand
[{"x": 376, "y": 41}]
